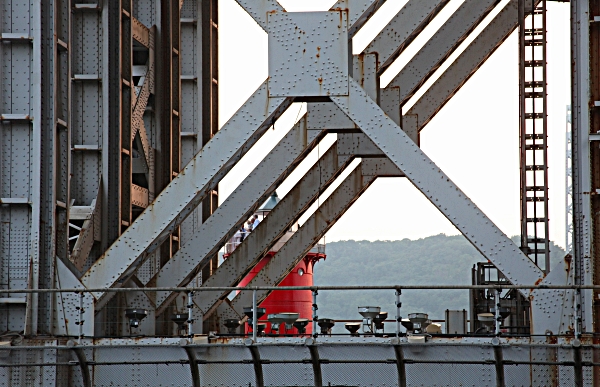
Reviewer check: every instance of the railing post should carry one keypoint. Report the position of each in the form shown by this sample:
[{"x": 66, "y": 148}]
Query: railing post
[
  {"x": 398, "y": 317},
  {"x": 254, "y": 316},
  {"x": 315, "y": 318},
  {"x": 498, "y": 318},
  {"x": 81, "y": 311},
  {"x": 190, "y": 320}
]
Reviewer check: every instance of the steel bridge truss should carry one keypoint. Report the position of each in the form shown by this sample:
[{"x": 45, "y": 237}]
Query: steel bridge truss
[{"x": 101, "y": 200}]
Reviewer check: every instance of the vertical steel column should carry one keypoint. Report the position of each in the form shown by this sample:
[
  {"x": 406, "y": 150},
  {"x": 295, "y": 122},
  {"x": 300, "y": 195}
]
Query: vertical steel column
[
  {"x": 569, "y": 185},
  {"x": 88, "y": 130},
  {"x": 35, "y": 173},
  {"x": 210, "y": 101},
  {"x": 62, "y": 124},
  {"x": 586, "y": 160},
  {"x": 111, "y": 149},
  {"x": 533, "y": 134},
  {"x": 170, "y": 94},
  {"x": 116, "y": 174},
  {"x": 126, "y": 112}
]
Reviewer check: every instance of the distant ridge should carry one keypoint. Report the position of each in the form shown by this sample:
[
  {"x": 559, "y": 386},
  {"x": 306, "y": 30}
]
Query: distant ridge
[{"x": 439, "y": 259}]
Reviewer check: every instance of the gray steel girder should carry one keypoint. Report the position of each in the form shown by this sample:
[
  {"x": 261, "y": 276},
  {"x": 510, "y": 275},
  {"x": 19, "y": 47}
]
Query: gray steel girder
[
  {"x": 466, "y": 64},
  {"x": 186, "y": 191},
  {"x": 359, "y": 12},
  {"x": 269, "y": 231},
  {"x": 583, "y": 71},
  {"x": 441, "y": 45},
  {"x": 402, "y": 29},
  {"x": 438, "y": 188},
  {"x": 259, "y": 10},
  {"x": 232, "y": 213},
  {"x": 306, "y": 237}
]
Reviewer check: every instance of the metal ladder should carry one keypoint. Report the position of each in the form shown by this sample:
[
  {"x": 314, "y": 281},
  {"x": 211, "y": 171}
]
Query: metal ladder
[{"x": 533, "y": 133}]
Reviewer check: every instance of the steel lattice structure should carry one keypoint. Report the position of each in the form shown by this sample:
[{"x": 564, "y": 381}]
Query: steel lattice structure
[{"x": 111, "y": 155}]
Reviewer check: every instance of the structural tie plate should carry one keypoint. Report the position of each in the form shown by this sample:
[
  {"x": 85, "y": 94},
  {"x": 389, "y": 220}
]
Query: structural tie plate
[{"x": 308, "y": 53}]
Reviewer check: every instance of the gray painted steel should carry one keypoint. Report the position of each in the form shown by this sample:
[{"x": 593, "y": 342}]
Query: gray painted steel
[
  {"x": 65, "y": 68},
  {"x": 440, "y": 46},
  {"x": 235, "y": 210},
  {"x": 186, "y": 191},
  {"x": 466, "y": 64}
]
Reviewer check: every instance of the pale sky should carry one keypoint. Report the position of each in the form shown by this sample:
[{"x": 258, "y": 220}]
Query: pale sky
[{"x": 474, "y": 138}]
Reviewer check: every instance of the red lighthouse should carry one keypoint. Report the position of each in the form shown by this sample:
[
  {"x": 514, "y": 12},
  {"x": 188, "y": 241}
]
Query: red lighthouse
[{"x": 284, "y": 301}]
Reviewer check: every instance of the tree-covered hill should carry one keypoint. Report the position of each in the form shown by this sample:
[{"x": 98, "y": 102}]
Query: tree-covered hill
[{"x": 439, "y": 259}]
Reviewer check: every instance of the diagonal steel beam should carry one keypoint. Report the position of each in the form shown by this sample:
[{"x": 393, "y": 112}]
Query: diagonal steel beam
[
  {"x": 232, "y": 213},
  {"x": 259, "y": 10},
  {"x": 359, "y": 12},
  {"x": 403, "y": 29},
  {"x": 370, "y": 168},
  {"x": 428, "y": 178},
  {"x": 269, "y": 231},
  {"x": 186, "y": 191},
  {"x": 306, "y": 237},
  {"x": 466, "y": 64},
  {"x": 441, "y": 45}
]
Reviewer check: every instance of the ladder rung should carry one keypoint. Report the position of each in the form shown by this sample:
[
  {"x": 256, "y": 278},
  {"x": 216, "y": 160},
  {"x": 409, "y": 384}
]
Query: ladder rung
[
  {"x": 536, "y": 240},
  {"x": 534, "y": 63},
  {"x": 535, "y": 147},
  {"x": 537, "y": 220},
  {"x": 534, "y": 167},
  {"x": 534, "y": 31},
  {"x": 535, "y": 84},
  {"x": 534, "y": 42},
  {"x": 535, "y": 199},
  {"x": 536, "y": 136},
  {"x": 533, "y": 116},
  {"x": 534, "y": 94},
  {"x": 535, "y": 188}
]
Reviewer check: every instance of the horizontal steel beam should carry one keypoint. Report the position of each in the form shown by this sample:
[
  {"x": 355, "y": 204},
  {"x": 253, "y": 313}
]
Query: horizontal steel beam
[
  {"x": 428, "y": 178},
  {"x": 186, "y": 191}
]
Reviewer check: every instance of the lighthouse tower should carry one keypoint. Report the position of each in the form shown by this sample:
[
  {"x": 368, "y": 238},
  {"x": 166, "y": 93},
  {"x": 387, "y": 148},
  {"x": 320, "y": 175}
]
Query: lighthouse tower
[{"x": 284, "y": 301}]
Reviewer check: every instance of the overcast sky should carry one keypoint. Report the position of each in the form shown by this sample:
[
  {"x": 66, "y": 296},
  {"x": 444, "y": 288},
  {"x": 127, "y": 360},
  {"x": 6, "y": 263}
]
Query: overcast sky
[{"x": 474, "y": 138}]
